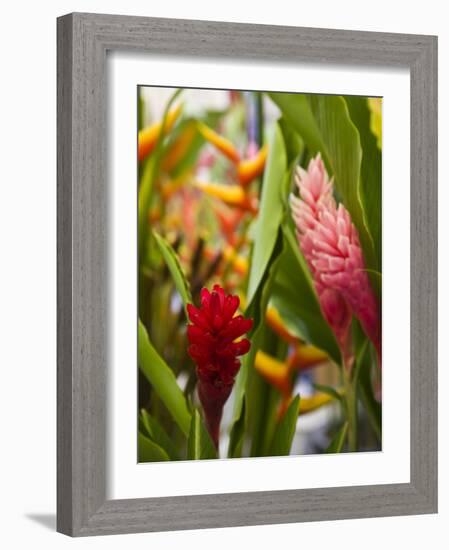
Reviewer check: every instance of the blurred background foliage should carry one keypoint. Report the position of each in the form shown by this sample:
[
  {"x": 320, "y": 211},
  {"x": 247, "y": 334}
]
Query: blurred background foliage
[{"x": 215, "y": 171}]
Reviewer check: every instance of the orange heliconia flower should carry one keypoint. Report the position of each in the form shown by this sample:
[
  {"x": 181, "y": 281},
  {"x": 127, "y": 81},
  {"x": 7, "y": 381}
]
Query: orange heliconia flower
[
  {"x": 149, "y": 136},
  {"x": 223, "y": 144},
  {"x": 250, "y": 169},
  {"x": 233, "y": 195}
]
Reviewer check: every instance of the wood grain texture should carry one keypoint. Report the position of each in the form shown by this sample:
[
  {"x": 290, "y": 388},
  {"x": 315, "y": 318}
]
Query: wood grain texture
[
  {"x": 423, "y": 272},
  {"x": 83, "y": 40},
  {"x": 64, "y": 276}
]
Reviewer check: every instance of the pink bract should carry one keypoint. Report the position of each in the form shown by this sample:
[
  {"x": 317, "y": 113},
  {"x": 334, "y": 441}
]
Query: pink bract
[{"x": 330, "y": 244}]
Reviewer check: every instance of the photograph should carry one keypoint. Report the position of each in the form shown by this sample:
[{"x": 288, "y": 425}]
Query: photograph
[
  {"x": 259, "y": 274},
  {"x": 221, "y": 254}
]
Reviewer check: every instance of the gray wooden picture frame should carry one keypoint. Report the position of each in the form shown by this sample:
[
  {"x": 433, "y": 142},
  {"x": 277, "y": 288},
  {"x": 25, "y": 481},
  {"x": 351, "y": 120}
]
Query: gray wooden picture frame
[{"x": 83, "y": 41}]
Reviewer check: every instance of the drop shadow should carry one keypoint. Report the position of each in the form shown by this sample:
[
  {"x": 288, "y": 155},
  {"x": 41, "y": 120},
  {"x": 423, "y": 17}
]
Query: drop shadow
[{"x": 46, "y": 520}]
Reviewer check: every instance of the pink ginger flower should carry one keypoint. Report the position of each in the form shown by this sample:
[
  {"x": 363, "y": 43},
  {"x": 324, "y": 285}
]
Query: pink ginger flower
[{"x": 330, "y": 244}]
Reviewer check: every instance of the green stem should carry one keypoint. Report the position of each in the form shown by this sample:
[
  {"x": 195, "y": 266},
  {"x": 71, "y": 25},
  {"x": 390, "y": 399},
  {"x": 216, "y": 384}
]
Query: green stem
[{"x": 351, "y": 410}]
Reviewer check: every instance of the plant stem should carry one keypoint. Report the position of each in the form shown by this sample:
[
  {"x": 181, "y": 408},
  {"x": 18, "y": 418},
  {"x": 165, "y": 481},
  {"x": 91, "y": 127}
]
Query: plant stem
[{"x": 351, "y": 410}]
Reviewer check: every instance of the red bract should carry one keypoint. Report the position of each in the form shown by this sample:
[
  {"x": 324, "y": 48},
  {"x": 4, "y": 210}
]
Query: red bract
[{"x": 213, "y": 346}]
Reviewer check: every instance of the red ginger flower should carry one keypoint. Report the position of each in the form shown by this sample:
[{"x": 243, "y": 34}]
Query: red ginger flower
[
  {"x": 331, "y": 247},
  {"x": 213, "y": 346}
]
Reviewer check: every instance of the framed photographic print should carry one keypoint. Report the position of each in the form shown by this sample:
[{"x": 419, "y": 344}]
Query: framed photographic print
[{"x": 247, "y": 280}]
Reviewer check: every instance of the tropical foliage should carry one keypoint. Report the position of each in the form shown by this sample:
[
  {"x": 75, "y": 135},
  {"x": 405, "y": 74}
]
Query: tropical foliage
[{"x": 259, "y": 274}]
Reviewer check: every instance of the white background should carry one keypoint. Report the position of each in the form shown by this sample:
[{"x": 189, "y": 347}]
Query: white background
[{"x": 27, "y": 286}]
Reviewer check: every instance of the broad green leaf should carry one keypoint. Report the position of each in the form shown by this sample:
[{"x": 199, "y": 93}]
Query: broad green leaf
[
  {"x": 237, "y": 435},
  {"x": 176, "y": 271},
  {"x": 271, "y": 211},
  {"x": 199, "y": 444},
  {"x": 163, "y": 380},
  {"x": 255, "y": 310},
  {"x": 157, "y": 433},
  {"x": 336, "y": 445},
  {"x": 294, "y": 296},
  {"x": 324, "y": 123},
  {"x": 285, "y": 431},
  {"x": 149, "y": 451},
  {"x": 371, "y": 171}
]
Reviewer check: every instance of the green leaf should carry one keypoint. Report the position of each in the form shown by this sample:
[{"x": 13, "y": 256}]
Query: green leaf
[
  {"x": 144, "y": 201},
  {"x": 294, "y": 296},
  {"x": 199, "y": 444},
  {"x": 371, "y": 171},
  {"x": 163, "y": 380},
  {"x": 269, "y": 420},
  {"x": 360, "y": 345},
  {"x": 261, "y": 397},
  {"x": 294, "y": 145},
  {"x": 376, "y": 282},
  {"x": 296, "y": 109},
  {"x": 157, "y": 433},
  {"x": 267, "y": 247},
  {"x": 375, "y": 108},
  {"x": 285, "y": 431},
  {"x": 256, "y": 309},
  {"x": 176, "y": 271},
  {"x": 373, "y": 408},
  {"x": 336, "y": 445},
  {"x": 237, "y": 435},
  {"x": 149, "y": 451},
  {"x": 324, "y": 123},
  {"x": 271, "y": 211}
]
